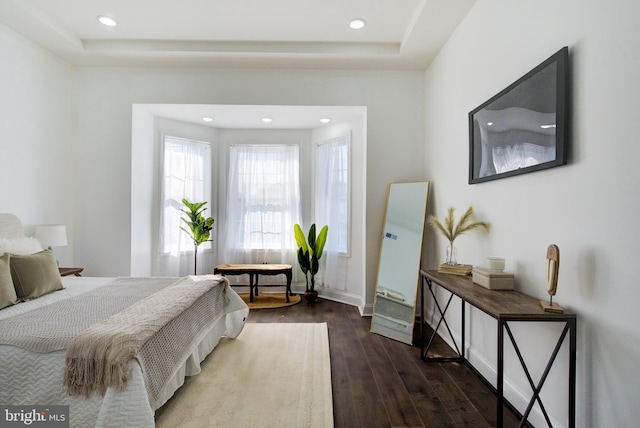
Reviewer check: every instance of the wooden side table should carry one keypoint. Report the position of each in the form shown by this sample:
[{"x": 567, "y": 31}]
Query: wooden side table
[{"x": 70, "y": 271}]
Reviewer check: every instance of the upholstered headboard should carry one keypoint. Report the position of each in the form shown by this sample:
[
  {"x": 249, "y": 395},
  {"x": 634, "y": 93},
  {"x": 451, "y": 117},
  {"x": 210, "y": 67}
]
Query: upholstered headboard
[{"x": 10, "y": 226}]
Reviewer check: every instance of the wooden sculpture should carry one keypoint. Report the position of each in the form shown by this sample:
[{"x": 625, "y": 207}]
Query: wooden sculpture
[{"x": 553, "y": 263}]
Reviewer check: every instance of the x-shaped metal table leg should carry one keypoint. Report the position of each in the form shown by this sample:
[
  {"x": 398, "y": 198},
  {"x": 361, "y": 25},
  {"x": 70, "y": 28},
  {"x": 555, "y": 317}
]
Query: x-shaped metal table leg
[{"x": 435, "y": 330}]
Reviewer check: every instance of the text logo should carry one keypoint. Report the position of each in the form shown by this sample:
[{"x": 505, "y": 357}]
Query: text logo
[{"x": 34, "y": 416}]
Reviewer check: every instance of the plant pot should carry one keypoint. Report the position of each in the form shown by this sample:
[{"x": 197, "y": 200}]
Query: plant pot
[{"x": 311, "y": 296}]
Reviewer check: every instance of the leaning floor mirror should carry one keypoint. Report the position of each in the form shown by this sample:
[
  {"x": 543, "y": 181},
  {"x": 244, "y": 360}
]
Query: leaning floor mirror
[{"x": 394, "y": 306}]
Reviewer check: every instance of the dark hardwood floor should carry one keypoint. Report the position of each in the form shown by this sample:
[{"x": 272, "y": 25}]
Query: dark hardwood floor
[{"x": 379, "y": 382}]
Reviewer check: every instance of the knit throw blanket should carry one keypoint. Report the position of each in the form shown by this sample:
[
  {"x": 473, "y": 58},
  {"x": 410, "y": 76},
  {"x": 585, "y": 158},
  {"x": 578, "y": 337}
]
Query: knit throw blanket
[
  {"x": 98, "y": 357},
  {"x": 51, "y": 327}
]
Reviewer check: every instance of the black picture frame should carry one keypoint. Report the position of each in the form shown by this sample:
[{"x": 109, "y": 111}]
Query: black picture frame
[{"x": 524, "y": 127}]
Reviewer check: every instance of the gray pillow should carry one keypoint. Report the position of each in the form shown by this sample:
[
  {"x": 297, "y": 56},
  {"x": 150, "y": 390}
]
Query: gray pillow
[
  {"x": 35, "y": 275},
  {"x": 7, "y": 292}
]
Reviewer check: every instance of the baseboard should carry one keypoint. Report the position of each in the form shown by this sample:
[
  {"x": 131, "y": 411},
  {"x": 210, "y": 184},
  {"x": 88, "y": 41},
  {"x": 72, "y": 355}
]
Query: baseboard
[
  {"x": 367, "y": 310},
  {"x": 340, "y": 297}
]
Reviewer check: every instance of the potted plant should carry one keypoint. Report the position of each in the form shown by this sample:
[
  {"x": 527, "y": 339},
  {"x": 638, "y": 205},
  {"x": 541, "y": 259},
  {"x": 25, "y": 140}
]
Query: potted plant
[
  {"x": 451, "y": 231},
  {"x": 199, "y": 226},
  {"x": 309, "y": 254}
]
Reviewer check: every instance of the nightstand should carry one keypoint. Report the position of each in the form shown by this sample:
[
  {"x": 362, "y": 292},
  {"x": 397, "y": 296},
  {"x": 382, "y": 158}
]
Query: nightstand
[{"x": 70, "y": 271}]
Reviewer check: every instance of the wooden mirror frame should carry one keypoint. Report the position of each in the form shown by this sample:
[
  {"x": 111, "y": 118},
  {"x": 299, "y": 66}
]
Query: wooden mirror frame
[{"x": 400, "y": 254}]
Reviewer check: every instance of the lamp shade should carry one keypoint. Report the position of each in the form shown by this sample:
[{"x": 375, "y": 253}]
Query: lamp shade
[{"x": 52, "y": 235}]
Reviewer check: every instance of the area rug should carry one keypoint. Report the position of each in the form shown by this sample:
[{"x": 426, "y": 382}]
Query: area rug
[
  {"x": 272, "y": 375},
  {"x": 270, "y": 300}
]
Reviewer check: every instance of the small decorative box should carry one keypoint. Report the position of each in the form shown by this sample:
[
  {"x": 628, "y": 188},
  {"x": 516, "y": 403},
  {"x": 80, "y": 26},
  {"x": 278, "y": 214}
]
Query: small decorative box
[{"x": 493, "y": 280}]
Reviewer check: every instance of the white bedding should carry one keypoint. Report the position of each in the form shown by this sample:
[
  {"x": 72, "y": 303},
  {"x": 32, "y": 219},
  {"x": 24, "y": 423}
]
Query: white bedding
[{"x": 29, "y": 378}]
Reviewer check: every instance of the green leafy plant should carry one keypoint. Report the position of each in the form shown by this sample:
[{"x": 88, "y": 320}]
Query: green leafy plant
[
  {"x": 451, "y": 230},
  {"x": 199, "y": 227},
  {"x": 310, "y": 252}
]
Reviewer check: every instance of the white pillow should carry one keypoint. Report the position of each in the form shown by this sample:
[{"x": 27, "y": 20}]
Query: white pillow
[{"x": 21, "y": 246}]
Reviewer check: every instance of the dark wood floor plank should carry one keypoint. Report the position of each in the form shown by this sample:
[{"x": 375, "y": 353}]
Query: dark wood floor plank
[
  {"x": 398, "y": 404},
  {"x": 340, "y": 338},
  {"x": 453, "y": 400},
  {"x": 481, "y": 397},
  {"x": 369, "y": 403},
  {"x": 427, "y": 403}
]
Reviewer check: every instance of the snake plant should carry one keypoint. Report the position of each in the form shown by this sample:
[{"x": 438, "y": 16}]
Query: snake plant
[{"x": 310, "y": 251}]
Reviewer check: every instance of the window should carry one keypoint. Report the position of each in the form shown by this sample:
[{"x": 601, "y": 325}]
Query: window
[
  {"x": 186, "y": 173},
  {"x": 332, "y": 191},
  {"x": 263, "y": 198}
]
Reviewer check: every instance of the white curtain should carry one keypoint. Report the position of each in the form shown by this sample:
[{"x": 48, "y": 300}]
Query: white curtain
[
  {"x": 332, "y": 208},
  {"x": 186, "y": 173},
  {"x": 263, "y": 204}
]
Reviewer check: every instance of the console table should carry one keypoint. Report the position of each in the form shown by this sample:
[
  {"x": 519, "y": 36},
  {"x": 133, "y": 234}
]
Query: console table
[
  {"x": 505, "y": 307},
  {"x": 253, "y": 270}
]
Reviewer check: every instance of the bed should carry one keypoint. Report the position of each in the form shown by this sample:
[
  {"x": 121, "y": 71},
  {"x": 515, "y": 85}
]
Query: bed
[{"x": 43, "y": 337}]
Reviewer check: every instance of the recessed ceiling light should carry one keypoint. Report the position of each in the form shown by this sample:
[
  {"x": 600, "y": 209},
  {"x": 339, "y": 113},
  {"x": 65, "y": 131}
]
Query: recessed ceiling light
[
  {"x": 266, "y": 119},
  {"x": 325, "y": 120},
  {"x": 357, "y": 24},
  {"x": 105, "y": 20},
  {"x": 207, "y": 119}
]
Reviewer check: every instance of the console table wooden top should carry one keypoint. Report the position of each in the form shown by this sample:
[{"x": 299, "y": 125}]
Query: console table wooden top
[{"x": 496, "y": 303}]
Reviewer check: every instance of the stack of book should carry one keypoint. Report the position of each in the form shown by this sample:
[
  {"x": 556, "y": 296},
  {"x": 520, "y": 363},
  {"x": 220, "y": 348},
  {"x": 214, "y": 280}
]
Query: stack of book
[
  {"x": 455, "y": 269},
  {"x": 491, "y": 279}
]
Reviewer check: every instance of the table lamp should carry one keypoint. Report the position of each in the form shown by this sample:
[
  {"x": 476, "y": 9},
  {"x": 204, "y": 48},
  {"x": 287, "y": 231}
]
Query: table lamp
[{"x": 51, "y": 235}]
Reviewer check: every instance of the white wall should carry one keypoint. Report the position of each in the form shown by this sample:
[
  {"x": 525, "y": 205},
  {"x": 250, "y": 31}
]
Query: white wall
[
  {"x": 143, "y": 143},
  {"x": 589, "y": 208},
  {"x": 36, "y": 157},
  {"x": 104, "y": 98},
  {"x": 355, "y": 292}
]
